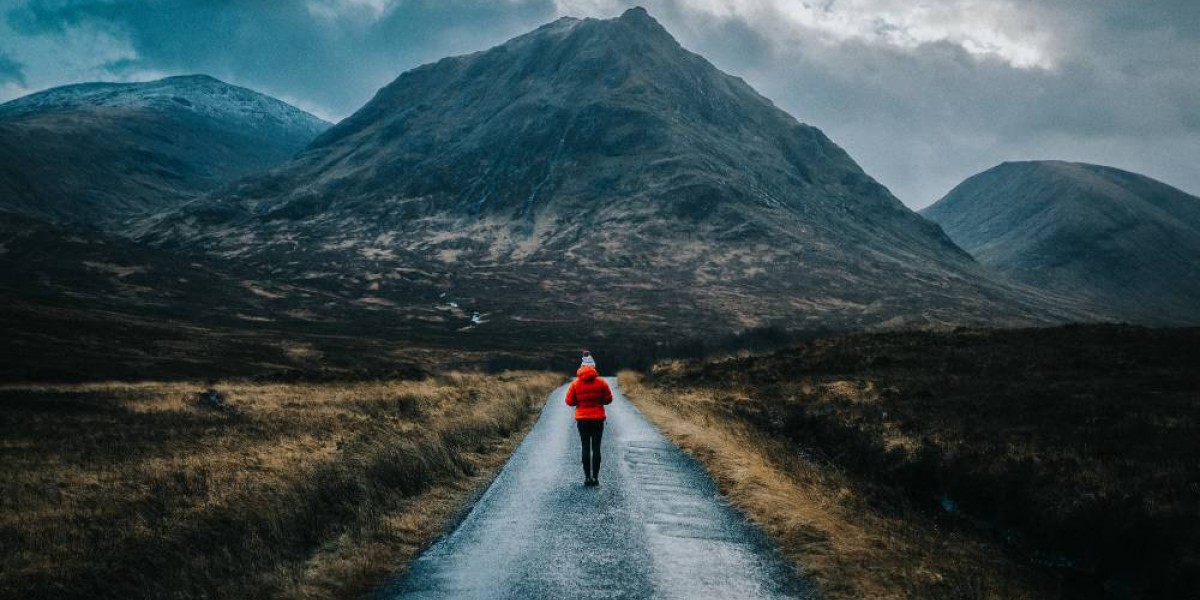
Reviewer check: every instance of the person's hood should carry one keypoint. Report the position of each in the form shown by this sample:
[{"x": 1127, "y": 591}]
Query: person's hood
[{"x": 587, "y": 373}]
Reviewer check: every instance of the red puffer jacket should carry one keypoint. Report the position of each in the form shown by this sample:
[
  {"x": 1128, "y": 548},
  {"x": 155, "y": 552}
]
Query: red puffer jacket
[{"x": 588, "y": 394}]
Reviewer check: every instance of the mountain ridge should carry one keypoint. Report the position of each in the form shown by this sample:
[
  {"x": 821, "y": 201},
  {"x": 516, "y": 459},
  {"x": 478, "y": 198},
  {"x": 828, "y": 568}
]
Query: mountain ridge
[
  {"x": 96, "y": 154},
  {"x": 142, "y": 94},
  {"x": 1125, "y": 243}
]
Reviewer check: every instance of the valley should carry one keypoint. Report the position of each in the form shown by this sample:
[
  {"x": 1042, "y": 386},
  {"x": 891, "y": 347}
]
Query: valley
[{"x": 250, "y": 353}]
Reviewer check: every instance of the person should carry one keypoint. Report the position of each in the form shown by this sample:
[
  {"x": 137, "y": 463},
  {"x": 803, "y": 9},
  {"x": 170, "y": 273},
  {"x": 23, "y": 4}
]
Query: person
[
  {"x": 589, "y": 394},
  {"x": 587, "y": 361}
]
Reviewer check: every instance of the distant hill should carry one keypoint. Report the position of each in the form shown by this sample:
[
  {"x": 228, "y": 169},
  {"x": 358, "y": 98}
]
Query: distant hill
[
  {"x": 591, "y": 179},
  {"x": 98, "y": 153},
  {"x": 1124, "y": 243}
]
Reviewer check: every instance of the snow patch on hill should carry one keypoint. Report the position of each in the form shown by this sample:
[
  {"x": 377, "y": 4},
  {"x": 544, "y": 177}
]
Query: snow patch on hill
[{"x": 199, "y": 94}]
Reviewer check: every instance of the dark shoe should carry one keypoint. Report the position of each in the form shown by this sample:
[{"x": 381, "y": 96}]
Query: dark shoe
[{"x": 595, "y": 481}]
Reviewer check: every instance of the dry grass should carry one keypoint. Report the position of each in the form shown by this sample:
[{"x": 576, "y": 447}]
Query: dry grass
[
  {"x": 117, "y": 490},
  {"x": 822, "y": 524},
  {"x": 967, "y": 463}
]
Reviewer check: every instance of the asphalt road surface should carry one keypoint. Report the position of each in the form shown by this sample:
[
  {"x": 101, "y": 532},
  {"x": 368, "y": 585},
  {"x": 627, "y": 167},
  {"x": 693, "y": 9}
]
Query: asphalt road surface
[{"x": 656, "y": 527}]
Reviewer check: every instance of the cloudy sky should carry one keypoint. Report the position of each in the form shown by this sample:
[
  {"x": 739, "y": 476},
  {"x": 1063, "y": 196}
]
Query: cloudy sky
[{"x": 923, "y": 93}]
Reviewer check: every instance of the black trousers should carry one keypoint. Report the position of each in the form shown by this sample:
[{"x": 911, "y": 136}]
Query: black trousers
[{"x": 590, "y": 433}]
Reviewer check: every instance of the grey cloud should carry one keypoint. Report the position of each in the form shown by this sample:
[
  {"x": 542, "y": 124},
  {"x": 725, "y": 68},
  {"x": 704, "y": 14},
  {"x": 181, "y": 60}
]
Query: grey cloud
[
  {"x": 11, "y": 70},
  {"x": 1123, "y": 91}
]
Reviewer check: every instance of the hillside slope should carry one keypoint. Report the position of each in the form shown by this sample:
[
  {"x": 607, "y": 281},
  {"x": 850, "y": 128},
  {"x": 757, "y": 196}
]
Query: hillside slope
[
  {"x": 97, "y": 153},
  {"x": 1124, "y": 243}
]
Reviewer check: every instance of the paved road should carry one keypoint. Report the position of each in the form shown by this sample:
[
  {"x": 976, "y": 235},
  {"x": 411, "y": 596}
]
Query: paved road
[{"x": 656, "y": 527}]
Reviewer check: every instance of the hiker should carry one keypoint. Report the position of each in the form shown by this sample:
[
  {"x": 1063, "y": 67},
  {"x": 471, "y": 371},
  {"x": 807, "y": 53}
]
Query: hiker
[
  {"x": 588, "y": 394},
  {"x": 588, "y": 361}
]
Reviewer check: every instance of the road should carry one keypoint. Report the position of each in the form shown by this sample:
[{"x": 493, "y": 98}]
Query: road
[{"x": 656, "y": 527}]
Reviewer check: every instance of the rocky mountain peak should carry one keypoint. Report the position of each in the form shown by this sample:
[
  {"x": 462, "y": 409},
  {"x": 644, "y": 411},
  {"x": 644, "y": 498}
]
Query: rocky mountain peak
[
  {"x": 511, "y": 128},
  {"x": 640, "y": 19},
  {"x": 602, "y": 172},
  {"x": 637, "y": 14}
]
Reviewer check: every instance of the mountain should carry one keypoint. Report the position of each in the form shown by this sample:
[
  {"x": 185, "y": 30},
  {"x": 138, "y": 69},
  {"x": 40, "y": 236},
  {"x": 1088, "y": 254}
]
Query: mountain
[
  {"x": 588, "y": 179},
  {"x": 98, "y": 153},
  {"x": 1125, "y": 244}
]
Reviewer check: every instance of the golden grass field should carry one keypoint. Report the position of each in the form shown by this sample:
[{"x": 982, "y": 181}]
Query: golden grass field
[
  {"x": 831, "y": 534},
  {"x": 1039, "y": 463},
  {"x": 136, "y": 490}
]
